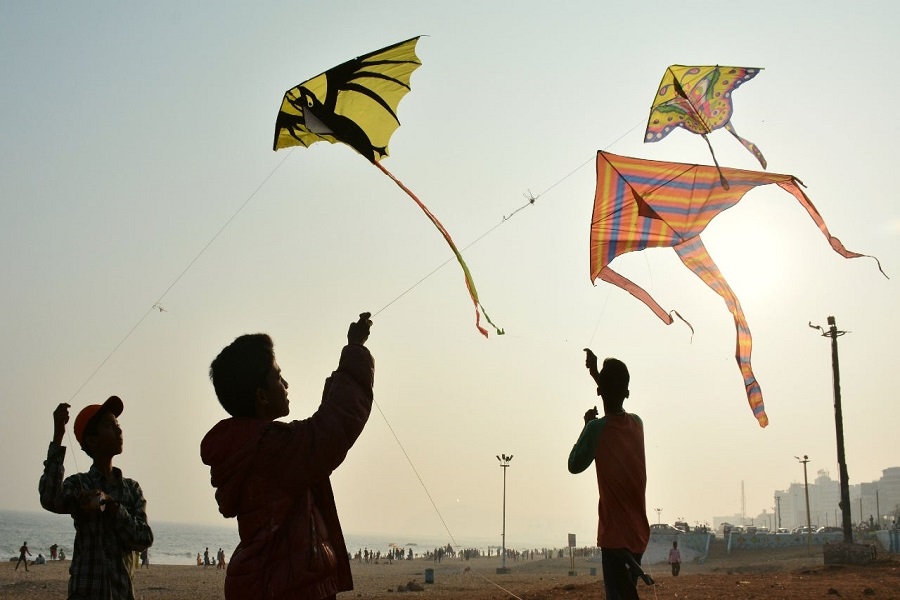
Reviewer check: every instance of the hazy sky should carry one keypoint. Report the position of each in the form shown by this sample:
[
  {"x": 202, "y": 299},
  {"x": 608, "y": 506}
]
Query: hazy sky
[{"x": 131, "y": 133}]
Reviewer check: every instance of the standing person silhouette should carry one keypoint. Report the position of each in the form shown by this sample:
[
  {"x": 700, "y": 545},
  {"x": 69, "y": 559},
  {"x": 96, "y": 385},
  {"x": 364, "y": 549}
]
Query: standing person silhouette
[
  {"x": 108, "y": 510},
  {"x": 675, "y": 559},
  {"x": 615, "y": 443},
  {"x": 275, "y": 476},
  {"x": 22, "y": 552}
]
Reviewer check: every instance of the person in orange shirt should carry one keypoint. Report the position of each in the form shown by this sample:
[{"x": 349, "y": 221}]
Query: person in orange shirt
[{"x": 615, "y": 443}]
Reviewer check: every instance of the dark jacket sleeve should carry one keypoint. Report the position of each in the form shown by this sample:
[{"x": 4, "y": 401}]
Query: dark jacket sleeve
[
  {"x": 57, "y": 494},
  {"x": 300, "y": 453}
]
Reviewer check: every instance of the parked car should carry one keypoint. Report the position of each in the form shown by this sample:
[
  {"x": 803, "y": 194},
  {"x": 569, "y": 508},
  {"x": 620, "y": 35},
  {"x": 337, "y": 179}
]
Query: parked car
[
  {"x": 829, "y": 530},
  {"x": 663, "y": 528}
]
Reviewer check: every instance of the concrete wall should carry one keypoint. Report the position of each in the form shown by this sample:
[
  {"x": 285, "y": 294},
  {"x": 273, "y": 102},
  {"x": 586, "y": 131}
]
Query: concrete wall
[
  {"x": 889, "y": 540},
  {"x": 691, "y": 545},
  {"x": 760, "y": 541}
]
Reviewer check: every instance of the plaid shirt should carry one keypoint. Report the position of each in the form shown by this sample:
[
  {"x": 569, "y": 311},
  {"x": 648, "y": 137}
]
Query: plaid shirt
[{"x": 104, "y": 541}]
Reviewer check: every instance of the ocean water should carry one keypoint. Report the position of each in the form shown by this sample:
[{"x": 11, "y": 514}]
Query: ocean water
[{"x": 178, "y": 543}]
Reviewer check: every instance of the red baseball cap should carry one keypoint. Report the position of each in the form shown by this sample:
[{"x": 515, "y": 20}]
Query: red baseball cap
[{"x": 113, "y": 404}]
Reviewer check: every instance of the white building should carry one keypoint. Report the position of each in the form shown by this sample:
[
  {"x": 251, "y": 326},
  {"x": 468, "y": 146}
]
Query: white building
[{"x": 866, "y": 499}]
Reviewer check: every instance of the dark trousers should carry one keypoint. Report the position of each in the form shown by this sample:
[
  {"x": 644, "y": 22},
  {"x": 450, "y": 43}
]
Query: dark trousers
[
  {"x": 619, "y": 579},
  {"x": 676, "y": 569}
]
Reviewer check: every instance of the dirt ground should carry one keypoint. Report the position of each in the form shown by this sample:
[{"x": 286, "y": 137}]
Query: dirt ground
[
  {"x": 761, "y": 575},
  {"x": 783, "y": 574}
]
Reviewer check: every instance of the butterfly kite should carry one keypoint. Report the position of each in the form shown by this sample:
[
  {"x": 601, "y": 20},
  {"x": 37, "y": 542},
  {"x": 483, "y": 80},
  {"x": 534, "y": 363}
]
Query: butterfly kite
[
  {"x": 355, "y": 103},
  {"x": 699, "y": 100},
  {"x": 642, "y": 204}
]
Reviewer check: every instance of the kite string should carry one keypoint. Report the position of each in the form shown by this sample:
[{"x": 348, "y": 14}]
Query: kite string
[
  {"x": 431, "y": 499},
  {"x": 157, "y": 305},
  {"x": 531, "y": 201}
]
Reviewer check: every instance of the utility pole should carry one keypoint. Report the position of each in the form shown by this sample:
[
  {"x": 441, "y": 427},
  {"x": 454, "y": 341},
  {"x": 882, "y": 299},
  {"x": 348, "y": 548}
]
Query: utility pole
[
  {"x": 834, "y": 334},
  {"x": 504, "y": 463},
  {"x": 805, "y": 460}
]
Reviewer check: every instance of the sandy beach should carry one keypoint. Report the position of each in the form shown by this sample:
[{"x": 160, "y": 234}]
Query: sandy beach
[{"x": 772, "y": 574}]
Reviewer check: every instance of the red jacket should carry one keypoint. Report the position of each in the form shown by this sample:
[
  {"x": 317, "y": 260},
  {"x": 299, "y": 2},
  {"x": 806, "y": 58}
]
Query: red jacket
[{"x": 274, "y": 477}]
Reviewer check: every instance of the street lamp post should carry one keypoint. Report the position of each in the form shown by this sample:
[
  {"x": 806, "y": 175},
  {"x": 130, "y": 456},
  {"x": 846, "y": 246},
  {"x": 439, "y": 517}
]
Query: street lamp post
[
  {"x": 658, "y": 515},
  {"x": 805, "y": 460},
  {"x": 504, "y": 464}
]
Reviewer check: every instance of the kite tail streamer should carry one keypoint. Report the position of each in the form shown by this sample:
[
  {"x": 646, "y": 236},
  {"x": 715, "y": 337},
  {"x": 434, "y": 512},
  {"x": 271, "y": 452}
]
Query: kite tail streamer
[
  {"x": 718, "y": 168},
  {"x": 470, "y": 283},
  {"x": 610, "y": 276},
  {"x": 695, "y": 257},
  {"x": 747, "y": 144},
  {"x": 793, "y": 187}
]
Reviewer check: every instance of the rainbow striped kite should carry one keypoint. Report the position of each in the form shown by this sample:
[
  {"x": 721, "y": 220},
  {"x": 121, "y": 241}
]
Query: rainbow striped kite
[{"x": 642, "y": 204}]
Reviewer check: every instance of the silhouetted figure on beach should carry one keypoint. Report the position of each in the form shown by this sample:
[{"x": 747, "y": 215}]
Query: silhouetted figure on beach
[
  {"x": 615, "y": 443},
  {"x": 53, "y": 550},
  {"x": 274, "y": 476},
  {"x": 108, "y": 510},
  {"x": 23, "y": 550},
  {"x": 675, "y": 559}
]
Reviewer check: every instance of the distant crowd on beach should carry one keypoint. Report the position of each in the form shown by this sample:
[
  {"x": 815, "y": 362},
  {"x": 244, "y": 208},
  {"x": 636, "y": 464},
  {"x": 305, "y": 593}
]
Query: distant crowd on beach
[
  {"x": 56, "y": 553},
  {"x": 206, "y": 561}
]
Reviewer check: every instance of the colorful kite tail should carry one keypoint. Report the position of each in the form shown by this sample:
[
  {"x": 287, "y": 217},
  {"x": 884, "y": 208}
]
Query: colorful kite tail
[
  {"x": 753, "y": 148},
  {"x": 695, "y": 257},
  {"x": 470, "y": 283},
  {"x": 716, "y": 162},
  {"x": 793, "y": 188}
]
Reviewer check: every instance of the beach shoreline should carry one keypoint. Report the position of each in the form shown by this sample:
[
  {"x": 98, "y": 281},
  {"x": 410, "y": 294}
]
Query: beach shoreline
[{"x": 769, "y": 574}]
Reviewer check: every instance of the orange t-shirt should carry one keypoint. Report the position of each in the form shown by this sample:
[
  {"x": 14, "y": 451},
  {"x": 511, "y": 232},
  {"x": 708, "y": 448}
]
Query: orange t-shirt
[{"x": 615, "y": 443}]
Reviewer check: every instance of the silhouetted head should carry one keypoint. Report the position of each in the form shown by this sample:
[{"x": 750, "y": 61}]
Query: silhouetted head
[
  {"x": 241, "y": 369},
  {"x": 97, "y": 428},
  {"x": 613, "y": 382}
]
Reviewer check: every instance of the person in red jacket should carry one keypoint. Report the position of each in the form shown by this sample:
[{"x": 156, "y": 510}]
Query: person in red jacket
[
  {"x": 274, "y": 476},
  {"x": 615, "y": 443}
]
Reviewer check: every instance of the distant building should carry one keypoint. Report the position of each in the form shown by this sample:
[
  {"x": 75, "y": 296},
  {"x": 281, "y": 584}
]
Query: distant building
[{"x": 866, "y": 499}]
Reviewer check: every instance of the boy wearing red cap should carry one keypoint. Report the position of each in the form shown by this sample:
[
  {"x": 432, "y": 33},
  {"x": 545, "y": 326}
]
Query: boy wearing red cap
[{"x": 108, "y": 510}]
